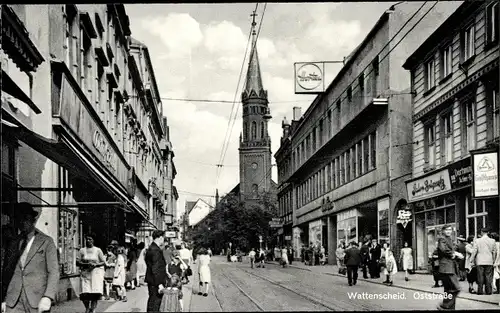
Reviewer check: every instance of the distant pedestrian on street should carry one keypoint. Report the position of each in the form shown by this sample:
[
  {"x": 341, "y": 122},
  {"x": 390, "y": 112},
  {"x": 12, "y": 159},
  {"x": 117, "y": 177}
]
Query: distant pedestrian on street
[
  {"x": 470, "y": 265},
  {"x": 209, "y": 251},
  {"x": 391, "y": 267},
  {"x": 484, "y": 254},
  {"x": 284, "y": 257},
  {"x": 352, "y": 260},
  {"x": 375, "y": 254},
  {"x": 290, "y": 254},
  {"x": 156, "y": 271},
  {"x": 448, "y": 269},
  {"x": 461, "y": 264},
  {"x": 109, "y": 271},
  {"x": 340, "y": 254},
  {"x": 120, "y": 274},
  {"x": 141, "y": 263},
  {"x": 406, "y": 259},
  {"x": 204, "y": 274},
  {"x": 261, "y": 261},
  {"x": 167, "y": 252},
  {"x": 322, "y": 256},
  {"x": 187, "y": 257},
  {"x": 365, "y": 257},
  {"x": 251, "y": 256},
  {"x": 496, "y": 263},
  {"x": 30, "y": 268}
]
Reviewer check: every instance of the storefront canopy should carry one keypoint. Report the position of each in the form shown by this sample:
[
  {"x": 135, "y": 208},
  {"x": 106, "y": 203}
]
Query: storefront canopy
[{"x": 66, "y": 154}]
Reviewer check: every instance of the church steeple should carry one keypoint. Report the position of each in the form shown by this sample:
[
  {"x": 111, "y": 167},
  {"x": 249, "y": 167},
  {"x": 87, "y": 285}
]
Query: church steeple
[{"x": 253, "y": 83}]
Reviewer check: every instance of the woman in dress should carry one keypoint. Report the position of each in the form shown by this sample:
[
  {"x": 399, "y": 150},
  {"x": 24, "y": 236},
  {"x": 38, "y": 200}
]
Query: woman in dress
[
  {"x": 470, "y": 266},
  {"x": 284, "y": 256},
  {"x": 322, "y": 256},
  {"x": 406, "y": 259},
  {"x": 91, "y": 261},
  {"x": 141, "y": 263},
  {"x": 120, "y": 273},
  {"x": 340, "y": 254},
  {"x": 131, "y": 274},
  {"x": 391, "y": 267},
  {"x": 496, "y": 264},
  {"x": 204, "y": 272}
]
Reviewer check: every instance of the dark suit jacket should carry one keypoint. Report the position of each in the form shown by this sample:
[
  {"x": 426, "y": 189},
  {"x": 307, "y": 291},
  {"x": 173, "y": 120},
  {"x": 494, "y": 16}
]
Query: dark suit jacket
[
  {"x": 365, "y": 253},
  {"x": 352, "y": 257},
  {"x": 156, "y": 271},
  {"x": 447, "y": 264},
  {"x": 375, "y": 253},
  {"x": 40, "y": 275}
]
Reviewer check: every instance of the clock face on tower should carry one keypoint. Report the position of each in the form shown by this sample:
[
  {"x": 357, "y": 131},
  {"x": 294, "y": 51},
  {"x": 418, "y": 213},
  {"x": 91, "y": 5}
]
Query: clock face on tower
[{"x": 254, "y": 166}]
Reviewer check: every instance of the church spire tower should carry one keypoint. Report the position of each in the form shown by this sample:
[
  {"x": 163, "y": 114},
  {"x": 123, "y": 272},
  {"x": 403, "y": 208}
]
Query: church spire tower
[{"x": 255, "y": 143}]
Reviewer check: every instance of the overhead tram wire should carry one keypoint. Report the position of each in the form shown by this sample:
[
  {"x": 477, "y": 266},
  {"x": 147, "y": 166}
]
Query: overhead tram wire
[
  {"x": 333, "y": 104},
  {"x": 226, "y": 137},
  {"x": 237, "y": 108}
]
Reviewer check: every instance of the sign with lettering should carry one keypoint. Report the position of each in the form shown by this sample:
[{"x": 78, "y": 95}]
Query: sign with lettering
[
  {"x": 75, "y": 114},
  {"x": 404, "y": 217},
  {"x": 460, "y": 174},
  {"x": 276, "y": 222},
  {"x": 170, "y": 234},
  {"x": 309, "y": 77},
  {"x": 429, "y": 186},
  {"x": 485, "y": 173}
]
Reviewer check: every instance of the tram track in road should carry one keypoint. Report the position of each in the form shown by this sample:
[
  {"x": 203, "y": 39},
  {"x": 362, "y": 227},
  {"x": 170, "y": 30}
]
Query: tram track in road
[
  {"x": 308, "y": 298},
  {"x": 241, "y": 291}
]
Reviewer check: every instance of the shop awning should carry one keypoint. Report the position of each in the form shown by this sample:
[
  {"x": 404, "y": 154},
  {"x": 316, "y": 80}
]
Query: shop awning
[
  {"x": 66, "y": 154},
  {"x": 10, "y": 87}
]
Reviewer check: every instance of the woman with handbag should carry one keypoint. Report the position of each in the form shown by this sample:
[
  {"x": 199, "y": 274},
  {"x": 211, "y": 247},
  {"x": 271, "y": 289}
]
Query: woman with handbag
[{"x": 187, "y": 259}]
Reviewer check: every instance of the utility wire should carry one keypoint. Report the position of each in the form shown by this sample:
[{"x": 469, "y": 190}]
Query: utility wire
[
  {"x": 333, "y": 103},
  {"x": 226, "y": 137},
  {"x": 237, "y": 108}
]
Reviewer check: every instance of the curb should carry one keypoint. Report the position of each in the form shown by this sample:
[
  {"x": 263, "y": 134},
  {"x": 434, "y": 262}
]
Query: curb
[{"x": 395, "y": 285}]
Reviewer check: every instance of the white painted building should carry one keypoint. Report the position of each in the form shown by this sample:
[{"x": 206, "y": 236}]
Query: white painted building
[{"x": 197, "y": 211}]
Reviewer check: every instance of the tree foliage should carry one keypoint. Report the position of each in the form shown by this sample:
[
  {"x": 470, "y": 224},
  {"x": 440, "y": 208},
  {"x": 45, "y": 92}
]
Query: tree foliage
[{"x": 236, "y": 222}]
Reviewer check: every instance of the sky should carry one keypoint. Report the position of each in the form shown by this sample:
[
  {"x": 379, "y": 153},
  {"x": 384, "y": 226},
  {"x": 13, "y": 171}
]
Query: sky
[{"x": 197, "y": 51}]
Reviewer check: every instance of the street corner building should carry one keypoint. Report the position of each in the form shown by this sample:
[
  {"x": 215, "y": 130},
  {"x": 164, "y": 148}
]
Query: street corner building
[
  {"x": 455, "y": 79},
  {"x": 343, "y": 164},
  {"x": 84, "y": 138}
]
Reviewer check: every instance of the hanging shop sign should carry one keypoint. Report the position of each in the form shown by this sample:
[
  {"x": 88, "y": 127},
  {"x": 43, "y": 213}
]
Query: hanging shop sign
[
  {"x": 404, "y": 217},
  {"x": 170, "y": 234},
  {"x": 429, "y": 186},
  {"x": 276, "y": 223},
  {"x": 288, "y": 237},
  {"x": 485, "y": 174},
  {"x": 460, "y": 174},
  {"x": 309, "y": 77}
]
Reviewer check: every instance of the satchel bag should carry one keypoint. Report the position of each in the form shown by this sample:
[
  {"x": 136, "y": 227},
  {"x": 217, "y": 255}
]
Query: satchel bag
[
  {"x": 189, "y": 271},
  {"x": 342, "y": 270}
]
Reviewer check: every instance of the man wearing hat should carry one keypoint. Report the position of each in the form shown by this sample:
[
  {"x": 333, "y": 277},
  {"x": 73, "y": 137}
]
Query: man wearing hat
[
  {"x": 461, "y": 263},
  {"x": 31, "y": 266}
]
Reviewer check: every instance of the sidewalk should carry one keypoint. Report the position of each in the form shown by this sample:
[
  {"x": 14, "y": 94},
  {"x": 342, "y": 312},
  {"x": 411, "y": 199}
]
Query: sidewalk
[{"x": 418, "y": 282}]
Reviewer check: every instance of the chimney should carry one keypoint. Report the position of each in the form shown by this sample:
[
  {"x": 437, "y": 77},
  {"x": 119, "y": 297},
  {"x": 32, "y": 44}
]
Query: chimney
[
  {"x": 216, "y": 197},
  {"x": 296, "y": 113},
  {"x": 285, "y": 125}
]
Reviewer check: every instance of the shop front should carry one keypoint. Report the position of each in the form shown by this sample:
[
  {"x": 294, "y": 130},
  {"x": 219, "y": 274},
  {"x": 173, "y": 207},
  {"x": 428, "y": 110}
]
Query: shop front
[{"x": 444, "y": 197}]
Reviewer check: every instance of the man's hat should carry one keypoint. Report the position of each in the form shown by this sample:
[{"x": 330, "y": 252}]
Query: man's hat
[{"x": 24, "y": 209}]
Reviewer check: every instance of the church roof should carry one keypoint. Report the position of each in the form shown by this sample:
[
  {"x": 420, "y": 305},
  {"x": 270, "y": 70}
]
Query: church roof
[{"x": 254, "y": 78}]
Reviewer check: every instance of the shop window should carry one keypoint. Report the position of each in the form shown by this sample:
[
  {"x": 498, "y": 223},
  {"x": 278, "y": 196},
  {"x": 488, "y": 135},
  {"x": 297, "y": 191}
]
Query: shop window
[
  {"x": 383, "y": 226},
  {"x": 476, "y": 216},
  {"x": 447, "y": 139},
  {"x": 67, "y": 241},
  {"x": 430, "y": 218},
  {"x": 450, "y": 215},
  {"x": 440, "y": 217}
]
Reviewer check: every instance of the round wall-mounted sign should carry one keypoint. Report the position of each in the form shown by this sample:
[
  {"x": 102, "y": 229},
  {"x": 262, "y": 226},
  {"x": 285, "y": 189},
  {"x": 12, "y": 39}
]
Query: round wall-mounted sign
[{"x": 309, "y": 76}]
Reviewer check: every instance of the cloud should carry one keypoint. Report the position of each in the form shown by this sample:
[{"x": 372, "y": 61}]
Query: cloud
[
  {"x": 179, "y": 32},
  {"x": 224, "y": 37}
]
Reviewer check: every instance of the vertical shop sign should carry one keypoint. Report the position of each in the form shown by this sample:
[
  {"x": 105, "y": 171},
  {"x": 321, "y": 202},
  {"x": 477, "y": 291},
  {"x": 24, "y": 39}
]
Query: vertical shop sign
[{"x": 485, "y": 174}]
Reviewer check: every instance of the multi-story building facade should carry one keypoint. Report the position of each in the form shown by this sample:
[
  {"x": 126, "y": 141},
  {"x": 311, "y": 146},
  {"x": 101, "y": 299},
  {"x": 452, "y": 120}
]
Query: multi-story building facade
[
  {"x": 455, "y": 80},
  {"x": 82, "y": 132},
  {"x": 351, "y": 150}
]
